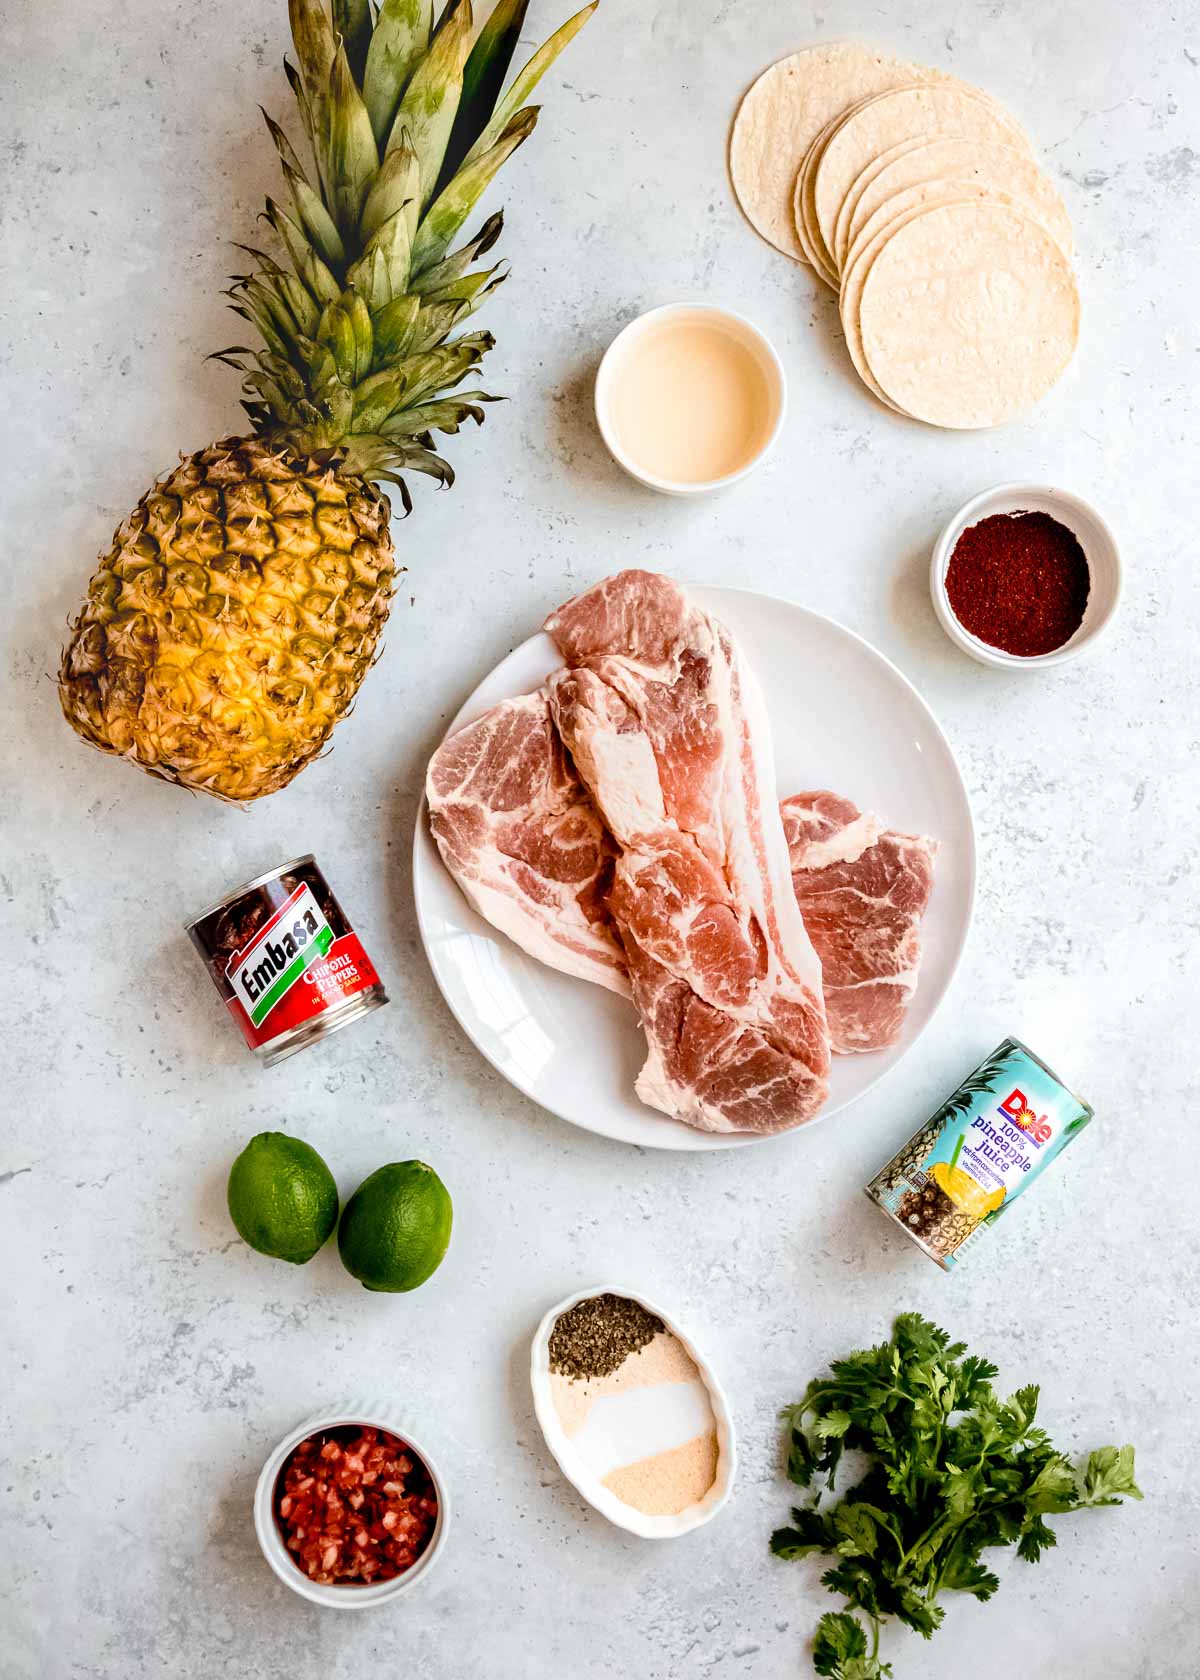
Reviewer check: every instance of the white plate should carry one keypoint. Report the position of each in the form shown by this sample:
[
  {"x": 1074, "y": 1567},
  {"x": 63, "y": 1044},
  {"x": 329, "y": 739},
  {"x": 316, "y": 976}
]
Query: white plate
[{"x": 844, "y": 718}]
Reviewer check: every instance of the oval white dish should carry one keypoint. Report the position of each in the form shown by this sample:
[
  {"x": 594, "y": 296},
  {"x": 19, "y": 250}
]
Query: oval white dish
[
  {"x": 375, "y": 1414},
  {"x": 576, "y": 1471},
  {"x": 1098, "y": 544}
]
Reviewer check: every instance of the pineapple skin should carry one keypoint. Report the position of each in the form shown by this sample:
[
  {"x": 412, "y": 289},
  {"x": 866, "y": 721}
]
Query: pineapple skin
[{"x": 229, "y": 626}]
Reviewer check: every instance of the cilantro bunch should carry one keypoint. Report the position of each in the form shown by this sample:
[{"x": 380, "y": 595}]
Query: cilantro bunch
[{"x": 953, "y": 1470}]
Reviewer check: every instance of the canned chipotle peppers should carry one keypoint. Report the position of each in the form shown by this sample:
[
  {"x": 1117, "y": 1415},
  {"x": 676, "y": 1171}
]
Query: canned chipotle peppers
[{"x": 286, "y": 960}]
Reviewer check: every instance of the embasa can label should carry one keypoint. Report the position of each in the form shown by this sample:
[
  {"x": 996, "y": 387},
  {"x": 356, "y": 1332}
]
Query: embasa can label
[
  {"x": 270, "y": 1000},
  {"x": 297, "y": 936},
  {"x": 284, "y": 957},
  {"x": 983, "y": 1148}
]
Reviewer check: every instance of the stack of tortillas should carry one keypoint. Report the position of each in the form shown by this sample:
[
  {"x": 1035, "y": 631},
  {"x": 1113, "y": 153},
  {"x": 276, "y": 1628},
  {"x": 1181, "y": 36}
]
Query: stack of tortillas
[{"x": 916, "y": 197}]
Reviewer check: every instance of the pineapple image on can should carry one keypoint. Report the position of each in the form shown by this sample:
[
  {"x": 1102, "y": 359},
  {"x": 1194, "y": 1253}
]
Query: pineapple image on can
[{"x": 989, "y": 1140}]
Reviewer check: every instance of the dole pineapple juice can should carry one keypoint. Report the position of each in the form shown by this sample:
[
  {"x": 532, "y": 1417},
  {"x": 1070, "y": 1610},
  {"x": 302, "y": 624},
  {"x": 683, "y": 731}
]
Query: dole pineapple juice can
[{"x": 986, "y": 1145}]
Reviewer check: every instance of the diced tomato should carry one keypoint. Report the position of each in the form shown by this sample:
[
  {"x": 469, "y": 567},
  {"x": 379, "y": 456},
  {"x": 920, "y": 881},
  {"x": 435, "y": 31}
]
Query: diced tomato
[{"x": 355, "y": 1506}]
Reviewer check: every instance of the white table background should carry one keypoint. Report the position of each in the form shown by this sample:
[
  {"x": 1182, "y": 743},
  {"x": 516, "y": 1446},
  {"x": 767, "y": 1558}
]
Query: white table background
[{"x": 150, "y": 1360}]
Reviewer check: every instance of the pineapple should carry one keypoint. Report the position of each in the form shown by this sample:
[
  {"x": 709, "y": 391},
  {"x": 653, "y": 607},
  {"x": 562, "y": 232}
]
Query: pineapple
[
  {"x": 966, "y": 1192},
  {"x": 934, "y": 1219},
  {"x": 909, "y": 1165},
  {"x": 913, "y": 1156},
  {"x": 241, "y": 603}
]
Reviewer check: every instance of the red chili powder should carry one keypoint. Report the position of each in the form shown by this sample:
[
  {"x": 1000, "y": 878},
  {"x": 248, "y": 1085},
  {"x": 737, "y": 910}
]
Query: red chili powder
[{"x": 1019, "y": 581}]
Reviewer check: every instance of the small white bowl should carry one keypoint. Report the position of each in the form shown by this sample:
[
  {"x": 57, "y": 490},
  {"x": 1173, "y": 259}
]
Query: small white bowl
[
  {"x": 1099, "y": 547},
  {"x": 377, "y": 1415},
  {"x": 747, "y": 333},
  {"x": 573, "y": 1467}
]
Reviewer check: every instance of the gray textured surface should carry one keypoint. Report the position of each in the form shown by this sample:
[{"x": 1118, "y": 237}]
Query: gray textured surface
[{"x": 150, "y": 1360}]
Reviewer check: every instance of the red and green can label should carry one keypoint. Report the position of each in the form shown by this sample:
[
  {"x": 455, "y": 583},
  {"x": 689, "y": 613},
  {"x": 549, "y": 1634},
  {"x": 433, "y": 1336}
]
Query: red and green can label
[{"x": 293, "y": 970}]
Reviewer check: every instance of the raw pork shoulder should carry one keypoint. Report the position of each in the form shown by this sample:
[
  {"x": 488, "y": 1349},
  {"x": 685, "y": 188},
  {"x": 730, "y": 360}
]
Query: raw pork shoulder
[
  {"x": 520, "y": 835},
  {"x": 862, "y": 891},
  {"x": 668, "y": 732}
]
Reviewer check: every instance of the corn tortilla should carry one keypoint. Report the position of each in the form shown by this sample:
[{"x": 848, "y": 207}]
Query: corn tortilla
[
  {"x": 841, "y": 240},
  {"x": 848, "y": 301},
  {"x": 798, "y": 222},
  {"x": 801, "y": 208},
  {"x": 805, "y": 213},
  {"x": 782, "y": 114},
  {"x": 896, "y": 213},
  {"x": 888, "y": 120},
  {"x": 1004, "y": 167},
  {"x": 968, "y": 315},
  {"x": 929, "y": 194}
]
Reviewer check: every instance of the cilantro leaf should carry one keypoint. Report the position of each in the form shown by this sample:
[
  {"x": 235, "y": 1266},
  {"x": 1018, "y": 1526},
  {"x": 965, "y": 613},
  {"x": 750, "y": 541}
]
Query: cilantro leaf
[
  {"x": 857, "y": 1583},
  {"x": 951, "y": 1470},
  {"x": 831, "y": 1425},
  {"x": 1022, "y": 1407},
  {"x": 1055, "y": 1488},
  {"x": 1036, "y": 1537},
  {"x": 840, "y": 1650},
  {"x": 924, "y": 1618},
  {"x": 858, "y": 1535},
  {"x": 1108, "y": 1475},
  {"x": 811, "y": 1533},
  {"x": 962, "y": 1572},
  {"x": 801, "y": 1460},
  {"x": 839, "y": 1639}
]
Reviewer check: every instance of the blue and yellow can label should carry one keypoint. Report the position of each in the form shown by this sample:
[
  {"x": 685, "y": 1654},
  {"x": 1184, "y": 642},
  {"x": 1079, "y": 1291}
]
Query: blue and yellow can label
[{"x": 983, "y": 1148}]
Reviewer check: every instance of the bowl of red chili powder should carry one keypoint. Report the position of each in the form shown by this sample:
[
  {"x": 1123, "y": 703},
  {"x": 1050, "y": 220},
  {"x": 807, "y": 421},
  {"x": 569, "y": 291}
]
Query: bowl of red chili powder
[
  {"x": 349, "y": 1511},
  {"x": 1025, "y": 575}
]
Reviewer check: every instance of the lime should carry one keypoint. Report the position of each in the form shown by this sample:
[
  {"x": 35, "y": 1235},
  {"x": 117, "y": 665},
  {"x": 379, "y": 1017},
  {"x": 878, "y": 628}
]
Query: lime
[
  {"x": 282, "y": 1198},
  {"x": 396, "y": 1227}
]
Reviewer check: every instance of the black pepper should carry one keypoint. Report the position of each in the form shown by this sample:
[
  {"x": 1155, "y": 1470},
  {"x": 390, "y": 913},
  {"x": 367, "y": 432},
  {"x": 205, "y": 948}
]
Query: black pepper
[{"x": 596, "y": 1336}]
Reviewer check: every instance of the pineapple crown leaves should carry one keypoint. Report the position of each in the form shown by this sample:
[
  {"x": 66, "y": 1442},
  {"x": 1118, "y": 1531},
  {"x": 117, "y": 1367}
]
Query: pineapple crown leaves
[{"x": 407, "y": 120}]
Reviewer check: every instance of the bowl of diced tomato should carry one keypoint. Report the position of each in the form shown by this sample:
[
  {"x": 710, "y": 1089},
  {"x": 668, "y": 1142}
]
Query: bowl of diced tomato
[{"x": 349, "y": 1510}]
